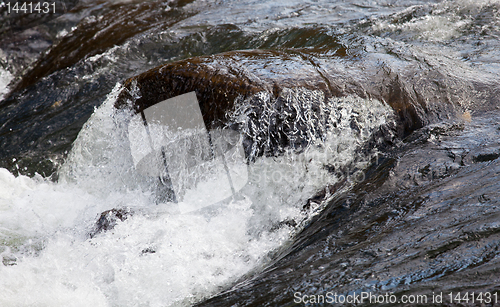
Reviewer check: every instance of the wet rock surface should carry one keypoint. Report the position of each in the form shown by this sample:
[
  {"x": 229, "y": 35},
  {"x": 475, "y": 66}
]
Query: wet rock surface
[
  {"x": 99, "y": 33},
  {"x": 224, "y": 82},
  {"x": 108, "y": 220}
]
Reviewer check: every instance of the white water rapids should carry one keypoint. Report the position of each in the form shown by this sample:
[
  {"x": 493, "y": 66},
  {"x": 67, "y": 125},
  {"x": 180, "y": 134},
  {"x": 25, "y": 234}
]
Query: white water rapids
[{"x": 155, "y": 258}]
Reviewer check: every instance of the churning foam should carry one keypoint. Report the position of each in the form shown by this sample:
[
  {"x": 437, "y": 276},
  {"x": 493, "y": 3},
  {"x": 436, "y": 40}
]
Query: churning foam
[
  {"x": 155, "y": 258},
  {"x": 443, "y": 21}
]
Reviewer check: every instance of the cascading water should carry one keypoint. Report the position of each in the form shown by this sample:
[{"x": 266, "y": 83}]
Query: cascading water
[
  {"x": 369, "y": 132},
  {"x": 168, "y": 258}
]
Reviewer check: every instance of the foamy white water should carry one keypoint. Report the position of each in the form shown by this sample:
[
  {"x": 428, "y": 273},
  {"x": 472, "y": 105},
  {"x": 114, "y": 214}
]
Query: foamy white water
[
  {"x": 440, "y": 24},
  {"x": 155, "y": 258}
]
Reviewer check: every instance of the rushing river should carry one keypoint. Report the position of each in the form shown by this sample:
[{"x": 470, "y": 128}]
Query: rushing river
[{"x": 370, "y": 133}]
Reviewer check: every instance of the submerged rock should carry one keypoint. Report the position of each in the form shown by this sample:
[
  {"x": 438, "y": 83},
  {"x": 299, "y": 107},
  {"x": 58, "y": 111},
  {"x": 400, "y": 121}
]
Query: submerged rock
[{"x": 108, "y": 220}]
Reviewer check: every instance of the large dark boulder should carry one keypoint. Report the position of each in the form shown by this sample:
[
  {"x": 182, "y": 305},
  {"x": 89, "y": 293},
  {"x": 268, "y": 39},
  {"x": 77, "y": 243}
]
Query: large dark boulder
[
  {"x": 224, "y": 82},
  {"x": 418, "y": 94}
]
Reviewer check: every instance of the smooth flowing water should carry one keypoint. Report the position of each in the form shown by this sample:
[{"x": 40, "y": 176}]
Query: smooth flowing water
[{"x": 371, "y": 133}]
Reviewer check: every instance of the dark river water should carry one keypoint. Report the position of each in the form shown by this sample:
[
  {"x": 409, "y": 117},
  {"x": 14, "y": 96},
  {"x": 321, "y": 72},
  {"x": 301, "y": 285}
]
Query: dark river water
[{"x": 370, "y": 145}]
